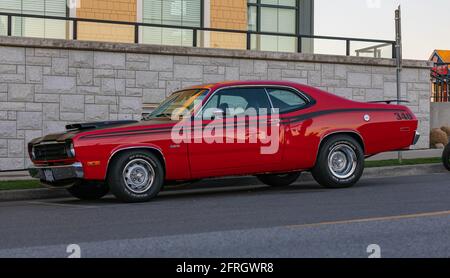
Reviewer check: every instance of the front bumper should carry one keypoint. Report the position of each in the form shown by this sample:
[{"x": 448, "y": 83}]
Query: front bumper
[
  {"x": 54, "y": 174},
  {"x": 416, "y": 138}
]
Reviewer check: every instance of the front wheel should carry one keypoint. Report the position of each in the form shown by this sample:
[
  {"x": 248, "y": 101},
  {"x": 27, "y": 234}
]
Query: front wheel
[
  {"x": 88, "y": 190},
  {"x": 446, "y": 157},
  {"x": 340, "y": 162},
  {"x": 280, "y": 179},
  {"x": 135, "y": 176}
]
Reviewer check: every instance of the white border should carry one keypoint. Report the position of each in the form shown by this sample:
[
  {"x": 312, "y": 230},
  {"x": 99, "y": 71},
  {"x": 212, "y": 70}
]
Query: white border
[
  {"x": 72, "y": 7},
  {"x": 207, "y": 23},
  {"x": 139, "y": 17}
]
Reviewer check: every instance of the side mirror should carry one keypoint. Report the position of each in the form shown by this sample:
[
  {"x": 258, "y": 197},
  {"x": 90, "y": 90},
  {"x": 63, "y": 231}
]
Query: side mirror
[{"x": 218, "y": 113}]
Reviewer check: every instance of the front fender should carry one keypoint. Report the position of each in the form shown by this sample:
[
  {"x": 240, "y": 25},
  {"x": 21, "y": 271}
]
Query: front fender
[
  {"x": 96, "y": 158},
  {"x": 121, "y": 148}
]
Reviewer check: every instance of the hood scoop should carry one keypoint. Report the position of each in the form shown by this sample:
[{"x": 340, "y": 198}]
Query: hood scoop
[{"x": 95, "y": 125}]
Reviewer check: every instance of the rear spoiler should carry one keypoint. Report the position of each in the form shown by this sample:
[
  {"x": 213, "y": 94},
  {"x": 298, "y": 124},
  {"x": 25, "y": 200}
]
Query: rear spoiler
[
  {"x": 389, "y": 101},
  {"x": 97, "y": 125}
]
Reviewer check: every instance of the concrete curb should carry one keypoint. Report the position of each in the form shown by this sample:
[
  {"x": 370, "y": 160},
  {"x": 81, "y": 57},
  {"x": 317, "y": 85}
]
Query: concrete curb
[
  {"x": 377, "y": 172},
  {"x": 401, "y": 171}
]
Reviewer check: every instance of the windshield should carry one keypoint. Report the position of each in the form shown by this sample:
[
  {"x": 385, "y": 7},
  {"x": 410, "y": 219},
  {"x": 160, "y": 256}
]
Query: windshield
[{"x": 182, "y": 102}]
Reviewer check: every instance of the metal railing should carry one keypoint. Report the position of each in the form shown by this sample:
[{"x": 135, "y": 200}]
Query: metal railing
[
  {"x": 195, "y": 32},
  {"x": 440, "y": 91},
  {"x": 372, "y": 50}
]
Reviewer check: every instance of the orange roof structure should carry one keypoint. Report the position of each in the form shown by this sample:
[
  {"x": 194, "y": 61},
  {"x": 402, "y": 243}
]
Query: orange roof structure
[{"x": 443, "y": 54}]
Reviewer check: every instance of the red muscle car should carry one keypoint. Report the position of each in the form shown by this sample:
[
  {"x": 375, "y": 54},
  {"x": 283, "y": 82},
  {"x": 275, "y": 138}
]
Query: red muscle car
[{"x": 207, "y": 131}]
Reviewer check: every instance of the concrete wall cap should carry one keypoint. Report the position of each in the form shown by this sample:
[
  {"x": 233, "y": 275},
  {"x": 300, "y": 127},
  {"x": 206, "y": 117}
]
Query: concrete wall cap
[{"x": 205, "y": 52}]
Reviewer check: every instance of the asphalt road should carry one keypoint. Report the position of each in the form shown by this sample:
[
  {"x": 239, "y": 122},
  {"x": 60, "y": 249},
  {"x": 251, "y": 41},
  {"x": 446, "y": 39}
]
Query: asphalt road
[{"x": 404, "y": 216}]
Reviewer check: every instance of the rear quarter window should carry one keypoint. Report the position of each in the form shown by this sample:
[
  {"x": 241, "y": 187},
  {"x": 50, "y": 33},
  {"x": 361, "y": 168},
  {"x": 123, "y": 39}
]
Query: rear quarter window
[{"x": 286, "y": 100}]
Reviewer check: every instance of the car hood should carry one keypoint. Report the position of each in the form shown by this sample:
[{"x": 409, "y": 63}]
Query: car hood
[{"x": 91, "y": 128}]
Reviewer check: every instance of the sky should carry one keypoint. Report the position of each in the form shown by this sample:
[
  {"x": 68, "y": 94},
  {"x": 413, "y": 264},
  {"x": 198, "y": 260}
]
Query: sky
[{"x": 425, "y": 22}]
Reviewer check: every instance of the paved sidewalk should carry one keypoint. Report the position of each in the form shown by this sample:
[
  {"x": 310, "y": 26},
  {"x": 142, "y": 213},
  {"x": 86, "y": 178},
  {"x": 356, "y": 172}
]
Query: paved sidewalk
[
  {"x": 14, "y": 176},
  {"x": 412, "y": 154}
]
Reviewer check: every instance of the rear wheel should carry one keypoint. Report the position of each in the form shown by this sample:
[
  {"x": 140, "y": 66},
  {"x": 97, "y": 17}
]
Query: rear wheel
[
  {"x": 340, "y": 162},
  {"x": 279, "y": 180},
  {"x": 88, "y": 190},
  {"x": 446, "y": 157},
  {"x": 135, "y": 176}
]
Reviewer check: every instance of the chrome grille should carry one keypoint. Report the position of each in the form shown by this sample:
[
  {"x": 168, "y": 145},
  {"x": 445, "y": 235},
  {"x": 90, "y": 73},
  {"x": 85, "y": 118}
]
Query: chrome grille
[{"x": 50, "y": 151}]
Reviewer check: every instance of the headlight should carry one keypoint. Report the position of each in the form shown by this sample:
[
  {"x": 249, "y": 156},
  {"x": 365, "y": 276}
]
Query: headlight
[
  {"x": 71, "y": 150},
  {"x": 33, "y": 155}
]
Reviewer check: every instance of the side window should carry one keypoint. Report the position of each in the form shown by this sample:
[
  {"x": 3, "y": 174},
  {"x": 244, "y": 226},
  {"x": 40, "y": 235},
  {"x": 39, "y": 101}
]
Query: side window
[
  {"x": 237, "y": 102},
  {"x": 233, "y": 105},
  {"x": 285, "y": 100}
]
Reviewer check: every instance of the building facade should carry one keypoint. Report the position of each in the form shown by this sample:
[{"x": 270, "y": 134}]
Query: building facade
[
  {"x": 274, "y": 16},
  {"x": 48, "y": 83},
  {"x": 440, "y": 74}
]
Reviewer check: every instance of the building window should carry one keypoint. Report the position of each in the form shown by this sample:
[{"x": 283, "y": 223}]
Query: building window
[
  {"x": 35, "y": 27},
  {"x": 171, "y": 12},
  {"x": 274, "y": 16}
]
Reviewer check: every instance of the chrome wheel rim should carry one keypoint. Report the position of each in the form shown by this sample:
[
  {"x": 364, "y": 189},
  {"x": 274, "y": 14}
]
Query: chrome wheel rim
[
  {"x": 342, "y": 161},
  {"x": 138, "y": 175}
]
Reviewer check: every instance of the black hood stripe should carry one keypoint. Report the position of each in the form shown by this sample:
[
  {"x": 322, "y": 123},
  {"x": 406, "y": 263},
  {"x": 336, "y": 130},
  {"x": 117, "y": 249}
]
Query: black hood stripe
[
  {"x": 311, "y": 115},
  {"x": 286, "y": 120},
  {"x": 128, "y": 132}
]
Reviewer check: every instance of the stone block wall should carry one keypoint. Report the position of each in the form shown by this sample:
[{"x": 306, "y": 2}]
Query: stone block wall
[
  {"x": 46, "y": 84},
  {"x": 440, "y": 114}
]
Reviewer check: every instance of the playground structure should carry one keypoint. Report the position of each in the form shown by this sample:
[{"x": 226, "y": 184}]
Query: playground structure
[{"x": 440, "y": 76}]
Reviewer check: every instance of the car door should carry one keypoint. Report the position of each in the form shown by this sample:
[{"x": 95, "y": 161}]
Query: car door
[
  {"x": 298, "y": 136},
  {"x": 244, "y": 140}
]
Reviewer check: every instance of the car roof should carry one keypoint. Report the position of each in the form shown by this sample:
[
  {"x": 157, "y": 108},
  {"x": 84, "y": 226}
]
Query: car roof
[{"x": 218, "y": 85}]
